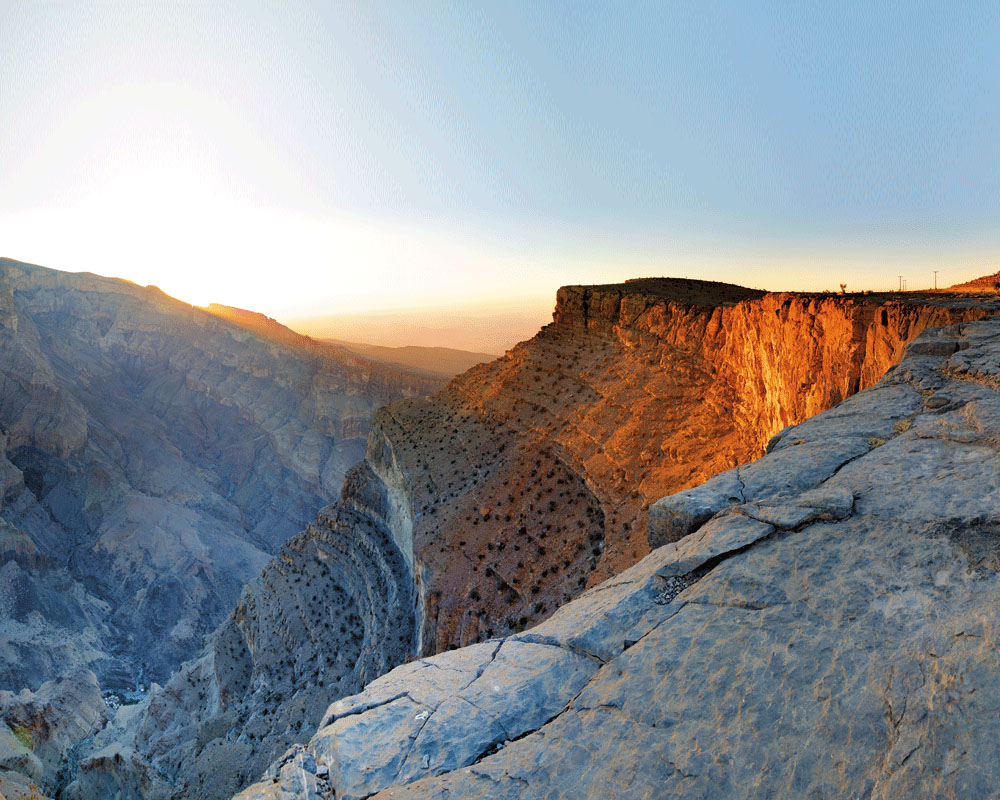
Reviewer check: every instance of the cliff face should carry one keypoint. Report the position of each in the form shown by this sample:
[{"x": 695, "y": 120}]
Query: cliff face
[
  {"x": 331, "y": 613},
  {"x": 827, "y": 627},
  {"x": 152, "y": 459},
  {"x": 529, "y": 478},
  {"x": 481, "y": 509}
]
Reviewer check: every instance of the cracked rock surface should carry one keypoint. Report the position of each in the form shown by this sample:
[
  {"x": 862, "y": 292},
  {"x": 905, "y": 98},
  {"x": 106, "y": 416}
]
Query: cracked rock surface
[{"x": 831, "y": 630}]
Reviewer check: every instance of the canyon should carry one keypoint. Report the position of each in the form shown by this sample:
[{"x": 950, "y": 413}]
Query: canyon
[
  {"x": 493, "y": 522},
  {"x": 528, "y": 479},
  {"x": 480, "y": 510},
  {"x": 822, "y": 624},
  {"x": 153, "y": 458}
]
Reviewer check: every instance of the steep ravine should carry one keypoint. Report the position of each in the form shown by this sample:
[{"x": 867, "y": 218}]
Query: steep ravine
[
  {"x": 331, "y": 613},
  {"x": 483, "y": 508},
  {"x": 153, "y": 459}
]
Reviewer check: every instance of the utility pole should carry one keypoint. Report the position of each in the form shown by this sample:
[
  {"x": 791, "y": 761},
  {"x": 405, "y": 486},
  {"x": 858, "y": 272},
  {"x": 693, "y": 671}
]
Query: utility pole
[
  {"x": 935, "y": 280},
  {"x": 900, "y": 283}
]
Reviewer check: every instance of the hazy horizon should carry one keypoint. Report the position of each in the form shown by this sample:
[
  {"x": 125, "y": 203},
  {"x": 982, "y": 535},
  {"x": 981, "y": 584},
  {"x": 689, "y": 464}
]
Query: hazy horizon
[
  {"x": 487, "y": 326},
  {"x": 486, "y": 329}
]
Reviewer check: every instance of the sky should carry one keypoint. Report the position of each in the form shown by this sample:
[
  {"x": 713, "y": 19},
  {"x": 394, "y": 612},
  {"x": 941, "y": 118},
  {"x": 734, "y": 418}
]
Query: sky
[{"x": 320, "y": 158}]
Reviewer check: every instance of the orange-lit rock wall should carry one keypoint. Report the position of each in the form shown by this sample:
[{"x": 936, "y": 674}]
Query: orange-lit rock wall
[{"x": 527, "y": 479}]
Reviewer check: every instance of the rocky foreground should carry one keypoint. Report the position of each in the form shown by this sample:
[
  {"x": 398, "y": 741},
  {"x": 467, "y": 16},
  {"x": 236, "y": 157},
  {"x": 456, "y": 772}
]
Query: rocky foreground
[{"x": 826, "y": 624}]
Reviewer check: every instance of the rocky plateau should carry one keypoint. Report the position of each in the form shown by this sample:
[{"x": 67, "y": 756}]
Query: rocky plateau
[{"x": 820, "y": 622}]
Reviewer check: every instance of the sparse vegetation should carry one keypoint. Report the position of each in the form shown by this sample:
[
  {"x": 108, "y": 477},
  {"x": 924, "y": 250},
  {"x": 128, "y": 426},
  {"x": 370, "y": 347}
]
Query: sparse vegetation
[{"x": 23, "y": 736}]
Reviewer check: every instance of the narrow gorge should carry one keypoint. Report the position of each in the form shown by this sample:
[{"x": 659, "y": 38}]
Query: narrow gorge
[{"x": 481, "y": 509}]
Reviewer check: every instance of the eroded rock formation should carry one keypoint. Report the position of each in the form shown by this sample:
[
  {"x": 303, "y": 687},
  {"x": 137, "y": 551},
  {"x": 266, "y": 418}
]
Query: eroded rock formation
[
  {"x": 152, "y": 459},
  {"x": 528, "y": 479},
  {"x": 38, "y": 728},
  {"x": 826, "y": 626},
  {"x": 330, "y": 614},
  {"x": 510, "y": 492}
]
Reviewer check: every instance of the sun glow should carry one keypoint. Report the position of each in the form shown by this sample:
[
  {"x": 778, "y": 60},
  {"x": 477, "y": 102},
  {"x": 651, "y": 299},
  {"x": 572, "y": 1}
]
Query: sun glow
[{"x": 160, "y": 228}]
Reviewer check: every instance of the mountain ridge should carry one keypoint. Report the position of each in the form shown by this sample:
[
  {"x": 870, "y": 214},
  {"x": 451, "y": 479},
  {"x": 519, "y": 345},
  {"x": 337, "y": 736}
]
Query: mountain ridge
[{"x": 152, "y": 459}]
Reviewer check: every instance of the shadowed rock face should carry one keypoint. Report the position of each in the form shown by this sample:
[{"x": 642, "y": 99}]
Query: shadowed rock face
[
  {"x": 829, "y": 631},
  {"x": 152, "y": 459},
  {"x": 331, "y": 613},
  {"x": 38, "y": 728}
]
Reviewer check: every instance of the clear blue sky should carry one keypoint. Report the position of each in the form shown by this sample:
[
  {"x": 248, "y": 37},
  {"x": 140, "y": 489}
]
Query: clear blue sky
[{"x": 394, "y": 154}]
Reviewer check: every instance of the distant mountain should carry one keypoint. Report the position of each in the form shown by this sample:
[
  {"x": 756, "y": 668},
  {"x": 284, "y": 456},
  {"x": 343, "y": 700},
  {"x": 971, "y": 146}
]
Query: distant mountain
[
  {"x": 435, "y": 362},
  {"x": 261, "y": 324},
  {"x": 152, "y": 458},
  {"x": 445, "y": 362},
  {"x": 473, "y": 329}
]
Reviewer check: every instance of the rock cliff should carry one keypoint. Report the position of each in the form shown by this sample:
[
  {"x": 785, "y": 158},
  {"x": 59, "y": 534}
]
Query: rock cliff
[
  {"x": 528, "y": 479},
  {"x": 821, "y": 623},
  {"x": 333, "y": 612},
  {"x": 38, "y": 728},
  {"x": 506, "y": 495},
  {"x": 152, "y": 459}
]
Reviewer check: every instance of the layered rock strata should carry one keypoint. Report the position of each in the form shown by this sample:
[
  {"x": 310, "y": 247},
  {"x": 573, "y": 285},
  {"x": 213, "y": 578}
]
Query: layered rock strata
[
  {"x": 153, "y": 458},
  {"x": 528, "y": 479},
  {"x": 330, "y": 614},
  {"x": 38, "y": 728},
  {"x": 829, "y": 630}
]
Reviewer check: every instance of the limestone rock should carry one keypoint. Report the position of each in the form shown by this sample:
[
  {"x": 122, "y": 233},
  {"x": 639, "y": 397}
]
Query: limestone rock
[
  {"x": 294, "y": 775},
  {"x": 524, "y": 484},
  {"x": 529, "y": 479},
  {"x": 14, "y": 786},
  {"x": 834, "y": 636},
  {"x": 330, "y": 614},
  {"x": 37, "y": 729},
  {"x": 425, "y": 718}
]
